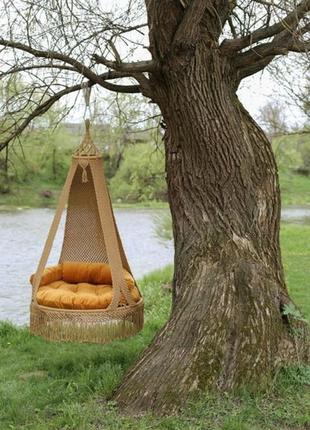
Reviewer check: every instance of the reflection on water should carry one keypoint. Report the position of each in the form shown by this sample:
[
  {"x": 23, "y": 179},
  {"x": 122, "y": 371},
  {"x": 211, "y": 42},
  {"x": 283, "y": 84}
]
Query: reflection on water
[{"x": 22, "y": 237}]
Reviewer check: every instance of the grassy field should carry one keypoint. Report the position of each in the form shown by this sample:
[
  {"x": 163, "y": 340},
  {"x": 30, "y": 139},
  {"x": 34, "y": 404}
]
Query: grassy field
[
  {"x": 295, "y": 189},
  {"x": 47, "y": 386}
]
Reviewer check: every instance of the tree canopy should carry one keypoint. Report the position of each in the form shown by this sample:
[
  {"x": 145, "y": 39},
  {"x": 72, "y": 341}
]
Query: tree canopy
[{"x": 57, "y": 46}]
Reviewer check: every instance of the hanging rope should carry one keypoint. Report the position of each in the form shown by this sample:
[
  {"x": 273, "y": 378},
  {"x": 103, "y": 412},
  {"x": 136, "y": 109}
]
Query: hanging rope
[
  {"x": 86, "y": 93},
  {"x": 86, "y": 148}
]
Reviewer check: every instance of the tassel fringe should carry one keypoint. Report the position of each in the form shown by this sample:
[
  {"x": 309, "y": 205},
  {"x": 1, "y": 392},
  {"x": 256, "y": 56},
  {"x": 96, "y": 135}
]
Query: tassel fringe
[{"x": 88, "y": 326}]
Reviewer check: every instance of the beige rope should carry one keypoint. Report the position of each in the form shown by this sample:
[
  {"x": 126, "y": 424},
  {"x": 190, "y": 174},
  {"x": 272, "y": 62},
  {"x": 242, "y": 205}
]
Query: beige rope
[
  {"x": 121, "y": 248},
  {"x": 110, "y": 235},
  {"x": 53, "y": 230},
  {"x": 86, "y": 93},
  {"x": 87, "y": 148}
]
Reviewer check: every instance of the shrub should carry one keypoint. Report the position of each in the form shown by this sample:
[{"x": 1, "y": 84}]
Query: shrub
[{"x": 141, "y": 175}]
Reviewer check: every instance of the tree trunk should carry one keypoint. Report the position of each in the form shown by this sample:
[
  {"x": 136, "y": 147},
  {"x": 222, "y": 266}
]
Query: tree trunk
[{"x": 226, "y": 327}]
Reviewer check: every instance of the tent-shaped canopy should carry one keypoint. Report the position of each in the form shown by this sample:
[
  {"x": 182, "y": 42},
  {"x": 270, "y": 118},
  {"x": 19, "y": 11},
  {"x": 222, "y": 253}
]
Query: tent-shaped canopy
[{"x": 91, "y": 236}]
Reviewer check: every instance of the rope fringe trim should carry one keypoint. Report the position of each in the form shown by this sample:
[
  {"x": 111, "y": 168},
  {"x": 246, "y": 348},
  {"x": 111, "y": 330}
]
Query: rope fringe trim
[{"x": 85, "y": 327}]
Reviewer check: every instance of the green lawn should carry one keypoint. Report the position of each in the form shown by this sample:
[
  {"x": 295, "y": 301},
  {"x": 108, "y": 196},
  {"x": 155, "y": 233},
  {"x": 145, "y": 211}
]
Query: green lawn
[
  {"x": 64, "y": 386},
  {"x": 295, "y": 189},
  {"x": 295, "y": 241}
]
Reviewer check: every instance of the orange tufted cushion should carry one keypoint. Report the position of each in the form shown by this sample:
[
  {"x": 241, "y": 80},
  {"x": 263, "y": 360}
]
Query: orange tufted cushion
[
  {"x": 63, "y": 295},
  {"x": 79, "y": 285},
  {"x": 94, "y": 273},
  {"x": 50, "y": 274}
]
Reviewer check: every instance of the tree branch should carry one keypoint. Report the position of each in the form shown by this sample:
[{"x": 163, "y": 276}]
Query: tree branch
[
  {"x": 252, "y": 68},
  {"x": 271, "y": 4},
  {"x": 18, "y": 69},
  {"x": 52, "y": 55},
  {"x": 230, "y": 46},
  {"x": 77, "y": 66},
  {"x": 47, "y": 104},
  {"x": 188, "y": 30},
  {"x": 111, "y": 74},
  {"x": 128, "y": 89},
  {"x": 300, "y": 46},
  {"x": 281, "y": 44},
  {"x": 257, "y": 58},
  {"x": 134, "y": 67},
  {"x": 39, "y": 110}
]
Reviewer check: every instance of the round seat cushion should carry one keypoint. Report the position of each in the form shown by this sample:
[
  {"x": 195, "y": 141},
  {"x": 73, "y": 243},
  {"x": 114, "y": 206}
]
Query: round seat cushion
[
  {"x": 80, "y": 285},
  {"x": 75, "y": 272},
  {"x": 62, "y": 295}
]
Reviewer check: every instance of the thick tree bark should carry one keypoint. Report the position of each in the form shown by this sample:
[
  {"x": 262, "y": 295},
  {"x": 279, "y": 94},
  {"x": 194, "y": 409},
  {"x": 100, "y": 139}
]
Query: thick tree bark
[{"x": 226, "y": 327}]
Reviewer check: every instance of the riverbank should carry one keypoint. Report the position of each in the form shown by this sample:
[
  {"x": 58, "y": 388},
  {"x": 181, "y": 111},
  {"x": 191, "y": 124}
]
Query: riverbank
[
  {"x": 136, "y": 176},
  {"x": 46, "y": 195},
  {"x": 295, "y": 191},
  {"x": 48, "y": 386}
]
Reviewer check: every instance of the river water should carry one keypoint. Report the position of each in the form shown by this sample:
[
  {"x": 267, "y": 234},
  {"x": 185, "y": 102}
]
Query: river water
[{"x": 23, "y": 233}]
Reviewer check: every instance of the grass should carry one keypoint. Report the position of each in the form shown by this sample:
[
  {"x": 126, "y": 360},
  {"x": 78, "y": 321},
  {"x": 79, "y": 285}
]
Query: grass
[
  {"x": 30, "y": 196},
  {"x": 295, "y": 245},
  {"x": 295, "y": 189},
  {"x": 50, "y": 386}
]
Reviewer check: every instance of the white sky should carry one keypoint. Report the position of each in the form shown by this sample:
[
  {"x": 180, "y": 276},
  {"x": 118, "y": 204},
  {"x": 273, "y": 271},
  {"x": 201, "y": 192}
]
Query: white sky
[{"x": 257, "y": 90}]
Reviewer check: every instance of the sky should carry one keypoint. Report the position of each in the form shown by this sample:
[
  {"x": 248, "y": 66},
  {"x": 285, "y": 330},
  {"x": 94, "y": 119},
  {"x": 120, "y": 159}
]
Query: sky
[{"x": 258, "y": 90}]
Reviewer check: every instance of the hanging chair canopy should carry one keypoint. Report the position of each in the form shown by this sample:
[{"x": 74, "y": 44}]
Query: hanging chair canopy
[{"x": 91, "y": 295}]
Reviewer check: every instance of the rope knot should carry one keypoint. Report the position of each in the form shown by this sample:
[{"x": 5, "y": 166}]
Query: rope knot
[{"x": 84, "y": 164}]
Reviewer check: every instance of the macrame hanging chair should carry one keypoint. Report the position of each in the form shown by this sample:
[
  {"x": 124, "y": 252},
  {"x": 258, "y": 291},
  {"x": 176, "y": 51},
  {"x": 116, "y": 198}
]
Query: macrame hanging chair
[{"x": 90, "y": 296}]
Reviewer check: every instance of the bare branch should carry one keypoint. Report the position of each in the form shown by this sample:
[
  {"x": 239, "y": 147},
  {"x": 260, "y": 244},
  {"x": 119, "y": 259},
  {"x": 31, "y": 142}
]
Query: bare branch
[
  {"x": 18, "y": 69},
  {"x": 39, "y": 110},
  {"x": 115, "y": 52},
  {"x": 134, "y": 67},
  {"x": 232, "y": 27},
  {"x": 271, "y": 4},
  {"x": 258, "y": 57},
  {"x": 47, "y": 104},
  {"x": 128, "y": 89},
  {"x": 77, "y": 66},
  {"x": 52, "y": 55},
  {"x": 288, "y": 23},
  {"x": 252, "y": 68}
]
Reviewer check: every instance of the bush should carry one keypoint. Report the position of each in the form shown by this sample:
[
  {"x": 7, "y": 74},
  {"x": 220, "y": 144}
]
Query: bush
[
  {"x": 287, "y": 153},
  {"x": 305, "y": 155},
  {"x": 141, "y": 175},
  {"x": 292, "y": 152}
]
